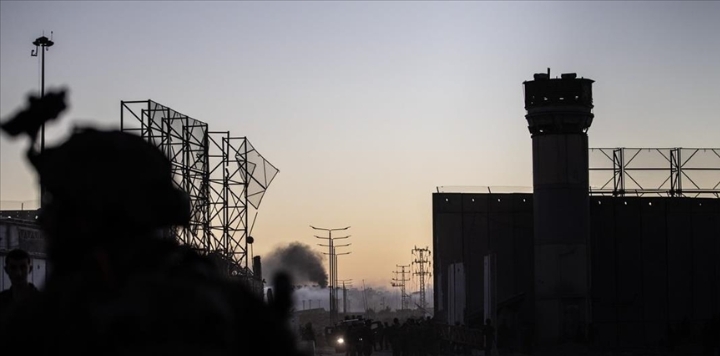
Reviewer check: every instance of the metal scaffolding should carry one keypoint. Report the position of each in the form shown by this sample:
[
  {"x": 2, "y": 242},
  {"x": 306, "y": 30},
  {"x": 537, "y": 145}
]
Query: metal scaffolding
[
  {"x": 223, "y": 175},
  {"x": 674, "y": 172}
]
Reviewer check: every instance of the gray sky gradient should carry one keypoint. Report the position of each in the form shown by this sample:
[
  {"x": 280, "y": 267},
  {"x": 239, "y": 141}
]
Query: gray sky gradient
[{"x": 365, "y": 107}]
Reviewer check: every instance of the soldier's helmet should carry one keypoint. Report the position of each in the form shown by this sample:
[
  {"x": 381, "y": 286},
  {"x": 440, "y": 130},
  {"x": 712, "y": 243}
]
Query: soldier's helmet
[
  {"x": 111, "y": 178},
  {"x": 116, "y": 179}
]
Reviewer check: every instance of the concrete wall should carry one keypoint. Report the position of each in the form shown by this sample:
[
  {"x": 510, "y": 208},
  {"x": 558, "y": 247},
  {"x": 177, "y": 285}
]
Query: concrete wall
[
  {"x": 654, "y": 261},
  {"x": 466, "y": 228}
]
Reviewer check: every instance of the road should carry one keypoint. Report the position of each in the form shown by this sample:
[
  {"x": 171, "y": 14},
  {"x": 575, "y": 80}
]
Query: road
[{"x": 326, "y": 351}]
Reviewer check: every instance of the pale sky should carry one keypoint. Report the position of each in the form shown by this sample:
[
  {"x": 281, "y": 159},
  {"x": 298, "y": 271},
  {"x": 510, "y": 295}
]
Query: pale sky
[{"x": 366, "y": 107}]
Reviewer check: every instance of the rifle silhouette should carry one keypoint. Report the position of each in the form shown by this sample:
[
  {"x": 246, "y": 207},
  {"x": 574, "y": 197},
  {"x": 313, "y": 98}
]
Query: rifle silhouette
[{"x": 39, "y": 111}]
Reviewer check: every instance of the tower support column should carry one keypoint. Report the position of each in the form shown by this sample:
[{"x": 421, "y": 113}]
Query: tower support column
[{"x": 559, "y": 113}]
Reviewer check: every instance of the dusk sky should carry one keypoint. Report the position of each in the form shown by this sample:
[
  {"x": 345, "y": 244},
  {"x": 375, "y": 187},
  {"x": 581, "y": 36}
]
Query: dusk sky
[{"x": 367, "y": 107}]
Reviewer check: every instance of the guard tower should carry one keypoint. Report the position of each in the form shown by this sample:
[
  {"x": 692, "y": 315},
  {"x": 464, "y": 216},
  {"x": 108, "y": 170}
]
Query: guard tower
[{"x": 559, "y": 114}]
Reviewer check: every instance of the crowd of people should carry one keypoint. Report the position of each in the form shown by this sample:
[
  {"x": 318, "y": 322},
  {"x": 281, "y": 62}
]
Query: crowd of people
[{"x": 419, "y": 336}]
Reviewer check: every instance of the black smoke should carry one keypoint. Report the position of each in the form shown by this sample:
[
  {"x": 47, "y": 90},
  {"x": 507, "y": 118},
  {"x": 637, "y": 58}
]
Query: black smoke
[{"x": 298, "y": 260}]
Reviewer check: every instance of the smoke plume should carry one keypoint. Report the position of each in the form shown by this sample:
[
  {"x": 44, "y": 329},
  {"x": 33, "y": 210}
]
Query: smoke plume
[{"x": 299, "y": 261}]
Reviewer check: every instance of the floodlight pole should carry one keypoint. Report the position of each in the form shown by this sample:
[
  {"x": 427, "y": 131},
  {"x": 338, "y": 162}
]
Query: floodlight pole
[{"x": 44, "y": 43}]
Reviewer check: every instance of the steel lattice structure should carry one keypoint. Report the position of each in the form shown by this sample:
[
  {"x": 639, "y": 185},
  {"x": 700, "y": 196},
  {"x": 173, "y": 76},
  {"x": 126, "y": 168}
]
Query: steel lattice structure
[
  {"x": 224, "y": 176},
  {"x": 674, "y": 172},
  {"x": 421, "y": 259}
]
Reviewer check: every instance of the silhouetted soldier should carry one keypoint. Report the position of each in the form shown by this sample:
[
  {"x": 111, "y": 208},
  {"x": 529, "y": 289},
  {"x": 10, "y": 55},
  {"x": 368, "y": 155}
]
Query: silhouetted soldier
[
  {"x": 395, "y": 337},
  {"x": 386, "y": 336},
  {"x": 118, "y": 285},
  {"x": 427, "y": 337},
  {"x": 17, "y": 267},
  {"x": 352, "y": 340},
  {"x": 503, "y": 336},
  {"x": 368, "y": 339},
  {"x": 379, "y": 335},
  {"x": 711, "y": 336},
  {"x": 405, "y": 338},
  {"x": 489, "y": 333},
  {"x": 308, "y": 333}
]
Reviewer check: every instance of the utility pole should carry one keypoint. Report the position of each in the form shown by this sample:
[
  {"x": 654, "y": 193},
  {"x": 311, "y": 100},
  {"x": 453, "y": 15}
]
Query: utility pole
[
  {"x": 44, "y": 43},
  {"x": 336, "y": 285},
  {"x": 422, "y": 258},
  {"x": 400, "y": 282},
  {"x": 332, "y": 266},
  {"x": 365, "y": 297},
  {"x": 345, "y": 283}
]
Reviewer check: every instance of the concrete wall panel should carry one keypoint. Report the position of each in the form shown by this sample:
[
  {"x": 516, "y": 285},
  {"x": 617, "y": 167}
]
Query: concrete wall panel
[
  {"x": 628, "y": 230},
  {"x": 679, "y": 222},
  {"x": 704, "y": 259},
  {"x": 654, "y": 260},
  {"x": 475, "y": 237},
  {"x": 602, "y": 252},
  {"x": 447, "y": 246},
  {"x": 502, "y": 228},
  {"x": 654, "y": 270}
]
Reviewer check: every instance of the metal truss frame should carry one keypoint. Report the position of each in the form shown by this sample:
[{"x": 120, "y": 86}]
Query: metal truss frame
[
  {"x": 217, "y": 170},
  {"x": 680, "y": 172},
  {"x": 184, "y": 141},
  {"x": 228, "y": 184}
]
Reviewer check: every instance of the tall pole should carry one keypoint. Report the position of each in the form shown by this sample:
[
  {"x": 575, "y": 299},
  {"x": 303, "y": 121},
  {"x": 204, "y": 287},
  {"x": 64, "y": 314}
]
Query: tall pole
[
  {"x": 401, "y": 283},
  {"x": 345, "y": 283},
  {"x": 334, "y": 271},
  {"x": 395, "y": 282},
  {"x": 42, "y": 44},
  {"x": 332, "y": 265},
  {"x": 337, "y": 281},
  {"x": 421, "y": 259}
]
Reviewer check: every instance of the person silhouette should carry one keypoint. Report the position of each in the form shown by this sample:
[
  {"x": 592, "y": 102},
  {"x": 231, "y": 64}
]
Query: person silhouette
[{"x": 120, "y": 283}]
